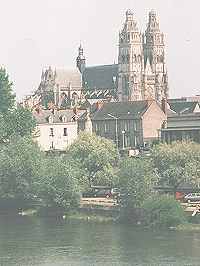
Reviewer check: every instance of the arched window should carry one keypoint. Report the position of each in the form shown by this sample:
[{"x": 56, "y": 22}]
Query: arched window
[
  {"x": 50, "y": 119},
  {"x": 128, "y": 58},
  {"x": 135, "y": 58},
  {"x": 123, "y": 59}
]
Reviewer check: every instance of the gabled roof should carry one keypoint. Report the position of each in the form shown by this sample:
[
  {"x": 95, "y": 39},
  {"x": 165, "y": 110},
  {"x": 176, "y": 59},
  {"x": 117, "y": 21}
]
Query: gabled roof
[
  {"x": 121, "y": 110},
  {"x": 67, "y": 77},
  {"x": 42, "y": 117},
  {"x": 184, "y": 107},
  {"x": 100, "y": 77}
]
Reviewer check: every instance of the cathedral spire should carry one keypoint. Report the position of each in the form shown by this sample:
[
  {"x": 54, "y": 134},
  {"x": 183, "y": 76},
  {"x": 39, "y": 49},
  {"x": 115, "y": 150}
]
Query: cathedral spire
[
  {"x": 153, "y": 24},
  {"x": 80, "y": 60}
]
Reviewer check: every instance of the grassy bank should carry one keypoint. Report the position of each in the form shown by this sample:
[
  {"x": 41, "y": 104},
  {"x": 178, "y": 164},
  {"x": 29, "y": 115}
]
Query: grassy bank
[
  {"x": 90, "y": 217},
  {"x": 188, "y": 227}
]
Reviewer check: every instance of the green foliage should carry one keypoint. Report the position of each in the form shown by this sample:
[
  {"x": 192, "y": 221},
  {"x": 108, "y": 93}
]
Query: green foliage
[
  {"x": 163, "y": 211},
  {"x": 177, "y": 163},
  {"x": 136, "y": 181},
  {"x": 20, "y": 122},
  {"x": 57, "y": 184},
  {"x": 3, "y": 129},
  {"x": 7, "y": 98},
  {"x": 19, "y": 165},
  {"x": 97, "y": 156}
]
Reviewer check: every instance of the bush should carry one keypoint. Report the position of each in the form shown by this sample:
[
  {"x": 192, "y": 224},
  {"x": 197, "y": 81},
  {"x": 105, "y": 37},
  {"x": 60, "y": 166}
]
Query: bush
[{"x": 163, "y": 211}]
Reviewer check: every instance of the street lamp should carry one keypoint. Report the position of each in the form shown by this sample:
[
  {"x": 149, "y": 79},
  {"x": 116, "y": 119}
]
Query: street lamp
[{"x": 116, "y": 128}]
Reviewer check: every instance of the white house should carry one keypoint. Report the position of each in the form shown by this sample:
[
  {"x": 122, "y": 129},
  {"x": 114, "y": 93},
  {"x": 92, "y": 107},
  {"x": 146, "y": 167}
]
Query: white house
[{"x": 56, "y": 129}]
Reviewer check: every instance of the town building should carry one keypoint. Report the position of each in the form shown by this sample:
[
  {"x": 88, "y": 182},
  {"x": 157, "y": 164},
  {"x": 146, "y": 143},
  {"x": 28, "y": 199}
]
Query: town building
[
  {"x": 56, "y": 129},
  {"x": 128, "y": 124},
  {"x": 183, "y": 121}
]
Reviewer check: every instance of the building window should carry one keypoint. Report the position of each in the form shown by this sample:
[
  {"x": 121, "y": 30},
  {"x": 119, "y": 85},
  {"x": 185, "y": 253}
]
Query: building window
[
  {"x": 96, "y": 127},
  {"x": 106, "y": 127},
  {"x": 127, "y": 142},
  {"x": 65, "y": 132},
  {"x": 52, "y": 145},
  {"x": 51, "y": 132},
  {"x": 50, "y": 119},
  {"x": 127, "y": 125}
]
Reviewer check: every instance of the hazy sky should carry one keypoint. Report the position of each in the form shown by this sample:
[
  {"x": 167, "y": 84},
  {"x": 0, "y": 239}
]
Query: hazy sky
[{"x": 38, "y": 33}]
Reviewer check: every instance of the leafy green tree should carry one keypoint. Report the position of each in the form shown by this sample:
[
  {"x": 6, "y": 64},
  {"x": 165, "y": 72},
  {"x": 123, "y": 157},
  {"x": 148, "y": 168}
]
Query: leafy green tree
[
  {"x": 177, "y": 163},
  {"x": 3, "y": 129},
  {"x": 19, "y": 166},
  {"x": 163, "y": 211},
  {"x": 57, "y": 184},
  {"x": 136, "y": 179},
  {"x": 7, "y": 98},
  {"x": 20, "y": 122},
  {"x": 97, "y": 156}
]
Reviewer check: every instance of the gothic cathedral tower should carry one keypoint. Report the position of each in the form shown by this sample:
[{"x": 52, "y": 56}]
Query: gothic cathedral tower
[
  {"x": 155, "y": 82},
  {"x": 141, "y": 62},
  {"x": 130, "y": 60}
]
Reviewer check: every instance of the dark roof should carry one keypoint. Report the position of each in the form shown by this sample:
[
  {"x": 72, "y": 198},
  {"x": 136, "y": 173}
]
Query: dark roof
[
  {"x": 121, "y": 110},
  {"x": 43, "y": 115},
  {"x": 100, "y": 77},
  {"x": 183, "y": 107}
]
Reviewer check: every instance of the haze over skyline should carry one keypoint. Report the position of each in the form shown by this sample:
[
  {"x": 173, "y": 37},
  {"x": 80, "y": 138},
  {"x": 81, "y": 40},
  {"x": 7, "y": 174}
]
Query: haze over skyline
[{"x": 37, "y": 34}]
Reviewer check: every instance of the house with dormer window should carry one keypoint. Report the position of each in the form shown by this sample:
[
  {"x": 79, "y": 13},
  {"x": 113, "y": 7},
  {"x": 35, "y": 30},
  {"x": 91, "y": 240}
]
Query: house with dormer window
[{"x": 56, "y": 129}]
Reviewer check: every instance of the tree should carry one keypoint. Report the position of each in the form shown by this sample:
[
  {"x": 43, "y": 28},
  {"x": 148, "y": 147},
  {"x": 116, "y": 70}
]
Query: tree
[
  {"x": 20, "y": 122},
  {"x": 7, "y": 98},
  {"x": 136, "y": 180},
  {"x": 20, "y": 162},
  {"x": 3, "y": 129},
  {"x": 57, "y": 184},
  {"x": 97, "y": 156},
  {"x": 163, "y": 211},
  {"x": 177, "y": 163}
]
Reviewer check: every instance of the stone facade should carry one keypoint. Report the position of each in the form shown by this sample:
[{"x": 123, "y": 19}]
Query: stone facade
[
  {"x": 139, "y": 75},
  {"x": 141, "y": 63},
  {"x": 62, "y": 87}
]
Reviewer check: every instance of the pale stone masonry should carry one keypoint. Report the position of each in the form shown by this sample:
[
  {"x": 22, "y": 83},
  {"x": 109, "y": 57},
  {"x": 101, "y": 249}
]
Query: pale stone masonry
[{"x": 142, "y": 70}]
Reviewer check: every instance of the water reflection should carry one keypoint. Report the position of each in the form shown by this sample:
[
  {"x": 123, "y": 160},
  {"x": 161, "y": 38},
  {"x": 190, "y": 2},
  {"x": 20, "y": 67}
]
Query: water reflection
[{"x": 32, "y": 241}]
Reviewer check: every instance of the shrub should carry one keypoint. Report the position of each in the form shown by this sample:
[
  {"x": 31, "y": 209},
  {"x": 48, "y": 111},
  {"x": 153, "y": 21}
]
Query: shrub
[{"x": 163, "y": 211}]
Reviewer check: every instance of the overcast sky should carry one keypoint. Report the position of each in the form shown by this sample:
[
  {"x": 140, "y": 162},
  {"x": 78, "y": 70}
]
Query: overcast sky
[{"x": 38, "y": 33}]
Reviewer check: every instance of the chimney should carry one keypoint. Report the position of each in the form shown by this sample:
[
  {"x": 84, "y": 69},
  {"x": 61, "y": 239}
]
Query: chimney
[
  {"x": 164, "y": 105},
  {"x": 99, "y": 105},
  {"x": 75, "y": 110},
  {"x": 38, "y": 109},
  {"x": 149, "y": 101}
]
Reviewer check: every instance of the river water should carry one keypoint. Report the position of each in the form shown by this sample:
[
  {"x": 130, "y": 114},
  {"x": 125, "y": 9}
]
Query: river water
[{"x": 32, "y": 241}]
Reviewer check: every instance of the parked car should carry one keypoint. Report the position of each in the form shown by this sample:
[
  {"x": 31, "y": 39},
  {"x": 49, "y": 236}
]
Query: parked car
[
  {"x": 192, "y": 197},
  {"x": 101, "y": 192},
  {"x": 97, "y": 191}
]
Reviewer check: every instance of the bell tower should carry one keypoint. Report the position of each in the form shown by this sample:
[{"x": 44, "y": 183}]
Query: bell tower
[
  {"x": 130, "y": 60},
  {"x": 154, "y": 51}
]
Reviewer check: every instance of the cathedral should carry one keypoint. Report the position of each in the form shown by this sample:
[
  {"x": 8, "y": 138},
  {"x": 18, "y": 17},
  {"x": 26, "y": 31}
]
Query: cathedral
[
  {"x": 141, "y": 61},
  {"x": 141, "y": 70},
  {"x": 139, "y": 75}
]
